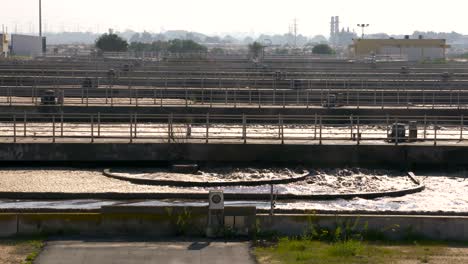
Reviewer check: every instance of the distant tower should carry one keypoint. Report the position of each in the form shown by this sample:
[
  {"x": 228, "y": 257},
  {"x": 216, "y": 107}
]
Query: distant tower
[
  {"x": 295, "y": 32},
  {"x": 332, "y": 30},
  {"x": 337, "y": 24},
  {"x": 337, "y": 31}
]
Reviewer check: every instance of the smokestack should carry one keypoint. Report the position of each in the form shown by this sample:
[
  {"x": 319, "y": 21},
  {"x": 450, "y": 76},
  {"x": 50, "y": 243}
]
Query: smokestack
[
  {"x": 332, "y": 28},
  {"x": 337, "y": 24}
]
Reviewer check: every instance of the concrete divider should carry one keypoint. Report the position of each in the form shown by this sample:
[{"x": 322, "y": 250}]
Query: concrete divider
[
  {"x": 385, "y": 155},
  {"x": 239, "y": 110},
  {"x": 166, "y": 221}
]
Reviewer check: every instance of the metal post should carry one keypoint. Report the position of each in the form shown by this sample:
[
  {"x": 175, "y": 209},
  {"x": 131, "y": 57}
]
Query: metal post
[
  {"x": 272, "y": 201},
  {"x": 358, "y": 100},
  {"x": 351, "y": 126},
  {"x": 99, "y": 124},
  {"x": 235, "y": 98},
  {"x": 169, "y": 128},
  {"x": 14, "y": 128},
  {"x": 53, "y": 128},
  {"x": 136, "y": 96},
  {"x": 388, "y": 124},
  {"x": 211, "y": 98},
  {"x": 259, "y": 99},
  {"x": 315, "y": 127},
  {"x": 131, "y": 128},
  {"x": 161, "y": 99},
  {"x": 281, "y": 128},
  {"x": 207, "y": 127},
  {"x": 358, "y": 136},
  {"x": 435, "y": 132},
  {"x": 112, "y": 94},
  {"x": 61, "y": 124},
  {"x": 92, "y": 129},
  {"x": 25, "y": 121},
  {"x": 320, "y": 141},
  {"x": 382, "y": 98},
  {"x": 135, "y": 125},
  {"x": 396, "y": 133},
  {"x": 425, "y": 126},
  {"x": 462, "y": 122},
  {"x": 244, "y": 128},
  {"x": 202, "y": 93},
  {"x": 284, "y": 99}
]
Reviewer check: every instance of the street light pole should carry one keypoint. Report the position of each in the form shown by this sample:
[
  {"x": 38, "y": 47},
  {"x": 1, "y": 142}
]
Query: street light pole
[
  {"x": 363, "y": 26},
  {"x": 40, "y": 18}
]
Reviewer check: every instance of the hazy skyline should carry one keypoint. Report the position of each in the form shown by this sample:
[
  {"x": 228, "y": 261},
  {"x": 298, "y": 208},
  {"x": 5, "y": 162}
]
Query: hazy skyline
[{"x": 218, "y": 16}]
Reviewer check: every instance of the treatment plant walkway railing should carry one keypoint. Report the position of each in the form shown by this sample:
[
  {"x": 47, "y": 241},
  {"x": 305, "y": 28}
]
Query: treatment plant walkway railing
[
  {"x": 276, "y": 129},
  {"x": 233, "y": 97}
]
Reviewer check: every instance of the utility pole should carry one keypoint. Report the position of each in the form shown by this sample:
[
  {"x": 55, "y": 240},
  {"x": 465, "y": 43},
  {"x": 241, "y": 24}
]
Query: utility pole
[
  {"x": 363, "y": 26},
  {"x": 40, "y": 18}
]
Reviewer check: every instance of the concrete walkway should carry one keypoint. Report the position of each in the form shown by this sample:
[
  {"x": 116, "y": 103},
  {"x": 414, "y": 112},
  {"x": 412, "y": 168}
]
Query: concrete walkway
[{"x": 172, "y": 252}]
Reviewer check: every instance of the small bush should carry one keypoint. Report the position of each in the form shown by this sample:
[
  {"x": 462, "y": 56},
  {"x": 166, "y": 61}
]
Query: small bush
[{"x": 350, "y": 248}]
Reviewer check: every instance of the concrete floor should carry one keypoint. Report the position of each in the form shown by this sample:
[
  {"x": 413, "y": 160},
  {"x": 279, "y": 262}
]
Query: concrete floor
[{"x": 167, "y": 252}]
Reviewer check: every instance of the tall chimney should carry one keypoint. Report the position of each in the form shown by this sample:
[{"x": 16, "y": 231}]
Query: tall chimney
[
  {"x": 332, "y": 28},
  {"x": 337, "y": 24}
]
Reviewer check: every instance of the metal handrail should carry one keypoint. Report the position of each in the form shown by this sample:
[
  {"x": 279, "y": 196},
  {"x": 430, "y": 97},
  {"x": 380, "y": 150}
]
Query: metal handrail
[{"x": 205, "y": 128}]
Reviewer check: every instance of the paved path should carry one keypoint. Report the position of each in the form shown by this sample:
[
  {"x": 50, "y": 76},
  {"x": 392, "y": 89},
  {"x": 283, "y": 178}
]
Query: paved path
[{"x": 101, "y": 252}]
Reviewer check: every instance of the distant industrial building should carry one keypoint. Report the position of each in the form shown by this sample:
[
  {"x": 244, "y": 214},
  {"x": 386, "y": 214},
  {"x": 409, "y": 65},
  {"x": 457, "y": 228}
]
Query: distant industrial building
[
  {"x": 340, "y": 37},
  {"x": 412, "y": 49}
]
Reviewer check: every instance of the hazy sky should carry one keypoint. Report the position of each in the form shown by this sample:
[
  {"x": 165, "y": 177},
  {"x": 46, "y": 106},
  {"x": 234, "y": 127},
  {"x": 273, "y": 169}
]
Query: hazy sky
[{"x": 219, "y": 16}]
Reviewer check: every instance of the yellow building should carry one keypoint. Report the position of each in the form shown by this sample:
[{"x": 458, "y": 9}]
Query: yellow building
[{"x": 411, "y": 49}]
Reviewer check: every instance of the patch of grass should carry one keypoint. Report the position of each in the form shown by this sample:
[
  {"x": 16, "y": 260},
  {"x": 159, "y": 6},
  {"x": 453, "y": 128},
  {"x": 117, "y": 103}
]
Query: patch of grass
[
  {"x": 36, "y": 247},
  {"x": 21, "y": 249},
  {"x": 302, "y": 251},
  {"x": 350, "y": 248}
]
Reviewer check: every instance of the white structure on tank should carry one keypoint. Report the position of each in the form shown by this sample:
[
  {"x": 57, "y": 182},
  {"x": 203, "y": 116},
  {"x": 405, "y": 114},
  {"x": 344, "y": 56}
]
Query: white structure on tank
[{"x": 4, "y": 45}]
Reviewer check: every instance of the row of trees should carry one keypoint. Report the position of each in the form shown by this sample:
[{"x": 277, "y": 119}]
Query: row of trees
[
  {"x": 173, "y": 46},
  {"x": 113, "y": 43},
  {"x": 256, "y": 49}
]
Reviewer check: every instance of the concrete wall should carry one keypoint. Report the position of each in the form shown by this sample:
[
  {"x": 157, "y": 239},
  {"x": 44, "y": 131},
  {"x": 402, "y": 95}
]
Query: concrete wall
[
  {"x": 394, "y": 227},
  {"x": 403, "y": 156},
  {"x": 154, "y": 224}
]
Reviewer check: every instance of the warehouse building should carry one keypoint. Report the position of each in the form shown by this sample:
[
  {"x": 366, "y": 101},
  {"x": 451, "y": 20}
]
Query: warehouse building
[{"x": 412, "y": 49}]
